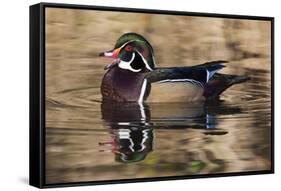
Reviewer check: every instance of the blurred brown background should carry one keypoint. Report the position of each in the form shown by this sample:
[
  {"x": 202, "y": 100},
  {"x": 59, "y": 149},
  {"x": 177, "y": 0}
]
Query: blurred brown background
[{"x": 79, "y": 35}]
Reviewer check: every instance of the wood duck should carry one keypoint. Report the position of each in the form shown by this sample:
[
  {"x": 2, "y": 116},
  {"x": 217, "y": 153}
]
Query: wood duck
[{"x": 134, "y": 77}]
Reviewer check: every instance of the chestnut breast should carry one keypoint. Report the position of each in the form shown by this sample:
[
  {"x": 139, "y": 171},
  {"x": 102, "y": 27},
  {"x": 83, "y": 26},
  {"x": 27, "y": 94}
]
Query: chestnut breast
[{"x": 122, "y": 85}]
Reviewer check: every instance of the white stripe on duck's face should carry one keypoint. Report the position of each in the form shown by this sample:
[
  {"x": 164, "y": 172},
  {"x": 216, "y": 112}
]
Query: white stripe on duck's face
[
  {"x": 131, "y": 59},
  {"x": 136, "y": 62},
  {"x": 144, "y": 61},
  {"x": 127, "y": 65}
]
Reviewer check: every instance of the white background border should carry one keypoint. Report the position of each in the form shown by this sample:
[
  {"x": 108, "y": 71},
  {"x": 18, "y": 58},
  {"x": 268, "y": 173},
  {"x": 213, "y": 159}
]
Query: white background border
[{"x": 14, "y": 81}]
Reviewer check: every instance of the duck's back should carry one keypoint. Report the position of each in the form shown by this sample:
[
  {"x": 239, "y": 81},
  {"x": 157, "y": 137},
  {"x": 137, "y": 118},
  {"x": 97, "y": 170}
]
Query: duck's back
[{"x": 186, "y": 84}]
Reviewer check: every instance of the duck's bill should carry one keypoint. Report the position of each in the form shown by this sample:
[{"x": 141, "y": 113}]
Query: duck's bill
[
  {"x": 110, "y": 54},
  {"x": 107, "y": 54}
]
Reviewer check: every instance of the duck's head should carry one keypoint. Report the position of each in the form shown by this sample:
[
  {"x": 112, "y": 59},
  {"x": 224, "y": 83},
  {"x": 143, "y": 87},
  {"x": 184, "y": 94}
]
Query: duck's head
[{"x": 131, "y": 52}]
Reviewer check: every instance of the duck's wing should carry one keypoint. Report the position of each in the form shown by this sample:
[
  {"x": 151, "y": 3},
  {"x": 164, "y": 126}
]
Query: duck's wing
[
  {"x": 198, "y": 75},
  {"x": 203, "y": 75}
]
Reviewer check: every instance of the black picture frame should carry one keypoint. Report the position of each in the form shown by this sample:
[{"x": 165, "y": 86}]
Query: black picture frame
[{"x": 37, "y": 93}]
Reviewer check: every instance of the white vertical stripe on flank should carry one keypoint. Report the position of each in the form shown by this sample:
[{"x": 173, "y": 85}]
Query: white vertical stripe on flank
[
  {"x": 143, "y": 88},
  {"x": 210, "y": 74}
]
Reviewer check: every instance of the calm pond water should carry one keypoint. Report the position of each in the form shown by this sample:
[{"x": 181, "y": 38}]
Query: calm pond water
[{"x": 87, "y": 140}]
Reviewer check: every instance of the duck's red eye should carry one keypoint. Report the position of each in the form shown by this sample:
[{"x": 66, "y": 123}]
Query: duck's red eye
[{"x": 129, "y": 48}]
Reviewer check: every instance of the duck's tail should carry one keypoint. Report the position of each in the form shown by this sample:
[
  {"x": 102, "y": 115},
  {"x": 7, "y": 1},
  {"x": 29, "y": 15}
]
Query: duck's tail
[{"x": 220, "y": 82}]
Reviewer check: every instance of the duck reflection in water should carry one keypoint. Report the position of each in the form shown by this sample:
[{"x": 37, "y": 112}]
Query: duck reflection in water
[
  {"x": 132, "y": 135},
  {"x": 132, "y": 124}
]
